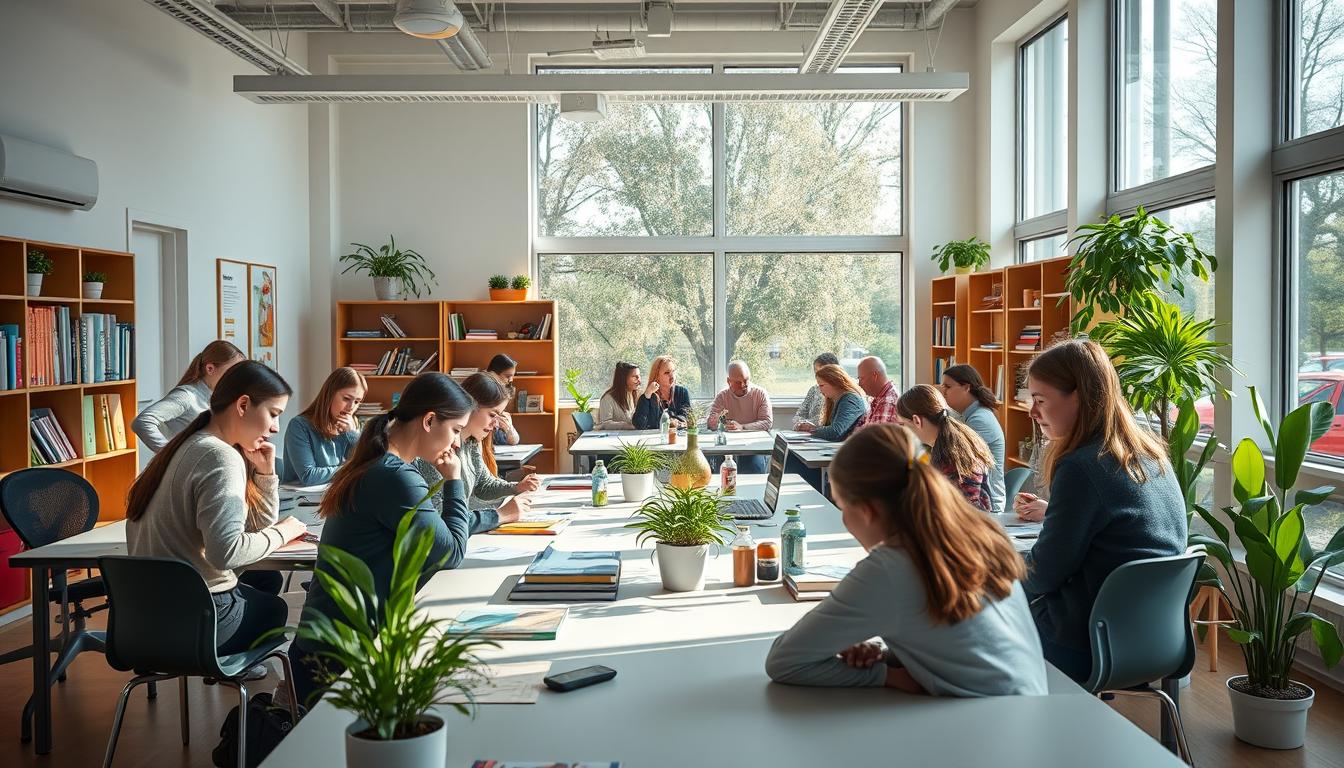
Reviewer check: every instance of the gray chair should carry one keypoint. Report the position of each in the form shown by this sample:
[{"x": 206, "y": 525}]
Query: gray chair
[
  {"x": 1013, "y": 480},
  {"x": 1140, "y": 632},
  {"x": 583, "y": 422},
  {"x": 162, "y": 626}
]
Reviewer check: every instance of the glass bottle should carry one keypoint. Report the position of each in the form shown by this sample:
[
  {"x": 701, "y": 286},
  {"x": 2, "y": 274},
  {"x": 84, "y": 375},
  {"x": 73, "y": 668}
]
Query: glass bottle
[
  {"x": 723, "y": 431},
  {"x": 728, "y": 476},
  {"x": 767, "y": 561},
  {"x": 793, "y": 541},
  {"x": 664, "y": 424},
  {"x": 744, "y": 558},
  {"x": 600, "y": 484}
]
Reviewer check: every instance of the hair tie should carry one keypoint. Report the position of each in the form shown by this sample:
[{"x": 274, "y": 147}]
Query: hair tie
[{"x": 922, "y": 457}]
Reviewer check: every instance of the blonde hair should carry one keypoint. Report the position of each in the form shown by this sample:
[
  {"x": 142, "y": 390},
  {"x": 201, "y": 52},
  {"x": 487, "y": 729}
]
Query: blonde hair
[
  {"x": 962, "y": 556},
  {"x": 958, "y": 447},
  {"x": 835, "y": 376},
  {"x": 660, "y": 363},
  {"x": 318, "y": 412}
]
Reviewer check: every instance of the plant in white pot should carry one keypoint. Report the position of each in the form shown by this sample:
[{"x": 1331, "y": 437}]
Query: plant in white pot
[
  {"x": 39, "y": 266},
  {"x": 1272, "y": 599},
  {"x": 398, "y": 663},
  {"x": 395, "y": 272},
  {"x": 93, "y": 284},
  {"x": 637, "y": 463},
  {"x": 683, "y": 522}
]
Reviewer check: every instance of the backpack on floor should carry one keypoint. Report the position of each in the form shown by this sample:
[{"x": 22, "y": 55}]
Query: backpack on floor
[{"x": 267, "y": 724}]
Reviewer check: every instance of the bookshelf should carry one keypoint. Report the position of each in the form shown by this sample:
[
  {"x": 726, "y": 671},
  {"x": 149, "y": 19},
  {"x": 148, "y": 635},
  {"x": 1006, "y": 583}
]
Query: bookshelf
[
  {"x": 111, "y": 471},
  {"x": 985, "y": 336},
  {"x": 950, "y": 315}
]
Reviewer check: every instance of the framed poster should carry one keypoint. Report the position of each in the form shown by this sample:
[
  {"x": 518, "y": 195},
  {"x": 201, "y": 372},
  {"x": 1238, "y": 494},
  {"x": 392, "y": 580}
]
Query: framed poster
[
  {"x": 261, "y": 313},
  {"x": 231, "y": 303}
]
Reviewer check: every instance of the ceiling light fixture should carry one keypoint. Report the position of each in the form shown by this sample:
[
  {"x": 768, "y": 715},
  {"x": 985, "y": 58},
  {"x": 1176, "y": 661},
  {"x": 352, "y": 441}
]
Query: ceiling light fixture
[
  {"x": 659, "y": 20},
  {"x": 430, "y": 19}
]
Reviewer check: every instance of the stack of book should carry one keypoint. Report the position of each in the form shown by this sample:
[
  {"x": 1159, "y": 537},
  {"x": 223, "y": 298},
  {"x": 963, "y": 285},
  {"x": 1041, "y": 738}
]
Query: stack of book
[
  {"x": 497, "y": 622},
  {"x": 50, "y": 444},
  {"x": 816, "y": 582},
  {"x": 482, "y": 334},
  {"x": 1029, "y": 339},
  {"x": 104, "y": 424},
  {"x": 390, "y": 323},
  {"x": 555, "y": 576},
  {"x": 399, "y": 362},
  {"x": 372, "y": 333},
  {"x": 533, "y": 527},
  {"x": 992, "y": 345},
  {"x": 11, "y": 357},
  {"x": 368, "y": 408},
  {"x": 945, "y": 331},
  {"x": 462, "y": 372},
  {"x": 365, "y": 368}
]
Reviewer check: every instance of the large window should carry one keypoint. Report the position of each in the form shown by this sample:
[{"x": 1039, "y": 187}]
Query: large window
[
  {"x": 1044, "y": 122},
  {"x": 1041, "y": 248},
  {"x": 1166, "y": 98},
  {"x": 1316, "y": 62},
  {"x": 1317, "y": 236},
  {"x": 1195, "y": 219}
]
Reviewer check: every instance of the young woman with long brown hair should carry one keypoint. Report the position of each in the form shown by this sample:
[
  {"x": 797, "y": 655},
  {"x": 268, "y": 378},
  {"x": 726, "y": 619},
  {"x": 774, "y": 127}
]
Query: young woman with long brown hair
[
  {"x": 211, "y": 497},
  {"x": 939, "y": 586},
  {"x": 505, "y": 368},
  {"x": 170, "y": 414},
  {"x": 965, "y": 391},
  {"x": 1113, "y": 496},
  {"x": 616, "y": 409},
  {"x": 954, "y": 448},
  {"x": 318, "y": 440},
  {"x": 843, "y": 404}
]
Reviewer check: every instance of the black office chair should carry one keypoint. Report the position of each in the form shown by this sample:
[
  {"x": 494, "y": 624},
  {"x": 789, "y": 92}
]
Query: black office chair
[
  {"x": 162, "y": 626},
  {"x": 44, "y": 506},
  {"x": 583, "y": 422},
  {"x": 1013, "y": 480}
]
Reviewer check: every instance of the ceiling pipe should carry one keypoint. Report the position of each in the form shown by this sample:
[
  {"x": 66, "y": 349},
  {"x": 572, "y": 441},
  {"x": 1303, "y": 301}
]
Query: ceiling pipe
[{"x": 935, "y": 12}]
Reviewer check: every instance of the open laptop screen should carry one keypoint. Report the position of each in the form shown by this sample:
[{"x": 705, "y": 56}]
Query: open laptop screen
[{"x": 777, "y": 459}]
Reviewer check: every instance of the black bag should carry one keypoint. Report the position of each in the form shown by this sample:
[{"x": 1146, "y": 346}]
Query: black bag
[{"x": 267, "y": 724}]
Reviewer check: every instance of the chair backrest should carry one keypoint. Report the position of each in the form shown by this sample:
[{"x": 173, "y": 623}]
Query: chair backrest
[
  {"x": 162, "y": 618},
  {"x": 45, "y": 505},
  {"x": 1013, "y": 480},
  {"x": 1140, "y": 625},
  {"x": 583, "y": 421}
]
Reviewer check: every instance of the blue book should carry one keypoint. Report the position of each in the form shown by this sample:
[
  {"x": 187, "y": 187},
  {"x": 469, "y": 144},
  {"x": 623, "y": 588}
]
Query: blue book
[
  {"x": 11, "y": 352},
  {"x": 551, "y": 566}
]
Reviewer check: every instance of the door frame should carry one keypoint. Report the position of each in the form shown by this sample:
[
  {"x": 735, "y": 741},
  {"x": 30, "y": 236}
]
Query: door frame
[{"x": 175, "y": 325}]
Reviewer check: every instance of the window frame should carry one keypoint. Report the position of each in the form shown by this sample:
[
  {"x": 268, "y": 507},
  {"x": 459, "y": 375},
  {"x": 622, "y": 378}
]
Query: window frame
[{"x": 1041, "y": 224}]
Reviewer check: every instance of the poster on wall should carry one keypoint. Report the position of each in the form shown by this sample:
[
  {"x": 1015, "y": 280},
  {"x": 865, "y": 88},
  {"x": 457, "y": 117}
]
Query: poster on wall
[
  {"x": 261, "y": 313},
  {"x": 231, "y": 302}
]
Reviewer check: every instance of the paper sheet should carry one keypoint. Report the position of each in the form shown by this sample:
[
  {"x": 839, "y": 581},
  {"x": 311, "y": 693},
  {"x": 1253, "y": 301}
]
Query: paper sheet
[
  {"x": 485, "y": 552},
  {"x": 516, "y": 683}
]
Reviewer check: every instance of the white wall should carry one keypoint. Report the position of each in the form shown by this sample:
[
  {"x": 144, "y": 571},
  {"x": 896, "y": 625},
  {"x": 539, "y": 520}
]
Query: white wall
[{"x": 152, "y": 103}]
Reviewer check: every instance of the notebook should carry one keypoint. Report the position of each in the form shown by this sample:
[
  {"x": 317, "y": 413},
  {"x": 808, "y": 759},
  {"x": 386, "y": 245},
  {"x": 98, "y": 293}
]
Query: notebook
[
  {"x": 532, "y": 527},
  {"x": 502, "y": 623},
  {"x": 568, "y": 483}
]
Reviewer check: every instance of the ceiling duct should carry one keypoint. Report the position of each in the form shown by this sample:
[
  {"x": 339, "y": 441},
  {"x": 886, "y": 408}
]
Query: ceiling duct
[
  {"x": 430, "y": 19},
  {"x": 547, "y": 89},
  {"x": 201, "y": 16},
  {"x": 465, "y": 51},
  {"x": 845, "y": 21}
]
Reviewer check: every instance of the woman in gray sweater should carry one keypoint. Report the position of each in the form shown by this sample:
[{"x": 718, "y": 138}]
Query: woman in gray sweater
[
  {"x": 164, "y": 418},
  {"x": 939, "y": 587}
]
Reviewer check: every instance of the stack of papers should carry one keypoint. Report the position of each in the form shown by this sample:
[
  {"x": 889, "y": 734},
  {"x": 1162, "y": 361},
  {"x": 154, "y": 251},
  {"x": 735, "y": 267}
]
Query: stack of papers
[
  {"x": 495, "y": 622},
  {"x": 555, "y": 576}
]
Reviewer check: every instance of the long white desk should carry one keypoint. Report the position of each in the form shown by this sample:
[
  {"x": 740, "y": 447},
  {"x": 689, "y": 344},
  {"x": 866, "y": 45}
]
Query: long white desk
[
  {"x": 739, "y": 443},
  {"x": 515, "y": 456},
  {"x": 691, "y": 689}
]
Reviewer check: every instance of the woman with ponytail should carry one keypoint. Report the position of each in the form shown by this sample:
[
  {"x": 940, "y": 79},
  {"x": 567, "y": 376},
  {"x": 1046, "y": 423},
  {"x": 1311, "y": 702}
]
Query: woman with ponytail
[
  {"x": 939, "y": 587},
  {"x": 164, "y": 418},
  {"x": 966, "y": 392},
  {"x": 955, "y": 449},
  {"x": 378, "y": 485},
  {"x": 1113, "y": 498},
  {"x": 210, "y": 497},
  {"x": 318, "y": 440}
]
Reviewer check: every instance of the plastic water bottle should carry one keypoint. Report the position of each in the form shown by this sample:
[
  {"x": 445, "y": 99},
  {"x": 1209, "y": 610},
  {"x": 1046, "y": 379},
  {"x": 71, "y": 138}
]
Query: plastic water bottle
[
  {"x": 728, "y": 476},
  {"x": 793, "y": 540},
  {"x": 599, "y": 485},
  {"x": 664, "y": 426}
]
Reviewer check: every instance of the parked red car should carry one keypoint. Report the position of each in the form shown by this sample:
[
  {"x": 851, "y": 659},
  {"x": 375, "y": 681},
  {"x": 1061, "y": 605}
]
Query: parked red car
[{"x": 1324, "y": 386}]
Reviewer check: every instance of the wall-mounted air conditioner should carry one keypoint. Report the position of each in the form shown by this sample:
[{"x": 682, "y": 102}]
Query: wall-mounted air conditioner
[{"x": 45, "y": 175}]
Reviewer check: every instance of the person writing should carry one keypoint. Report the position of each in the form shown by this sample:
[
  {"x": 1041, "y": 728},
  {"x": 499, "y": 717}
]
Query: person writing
[
  {"x": 874, "y": 383},
  {"x": 505, "y": 368},
  {"x": 954, "y": 448},
  {"x": 662, "y": 394},
  {"x": 843, "y": 405},
  {"x": 164, "y": 418},
  {"x": 616, "y": 409},
  {"x": 939, "y": 586},
  {"x": 810, "y": 409},
  {"x": 318, "y": 440},
  {"x": 742, "y": 407},
  {"x": 966, "y": 393}
]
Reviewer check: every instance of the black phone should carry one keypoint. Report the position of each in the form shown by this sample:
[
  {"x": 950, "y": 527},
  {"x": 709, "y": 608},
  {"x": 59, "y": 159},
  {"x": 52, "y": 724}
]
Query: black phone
[{"x": 579, "y": 678}]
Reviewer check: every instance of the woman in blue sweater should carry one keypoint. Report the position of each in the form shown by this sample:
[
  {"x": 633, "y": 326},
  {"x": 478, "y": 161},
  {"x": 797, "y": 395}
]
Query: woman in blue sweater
[
  {"x": 662, "y": 394},
  {"x": 1113, "y": 496},
  {"x": 966, "y": 392},
  {"x": 378, "y": 485},
  {"x": 843, "y": 405},
  {"x": 318, "y": 439}
]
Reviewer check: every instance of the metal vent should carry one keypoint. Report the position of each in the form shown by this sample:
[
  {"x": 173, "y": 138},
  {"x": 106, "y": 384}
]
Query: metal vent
[
  {"x": 201, "y": 16},
  {"x": 845, "y": 21}
]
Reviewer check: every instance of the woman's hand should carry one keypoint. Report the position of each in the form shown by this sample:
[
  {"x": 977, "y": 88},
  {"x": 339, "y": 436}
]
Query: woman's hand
[
  {"x": 529, "y": 483},
  {"x": 291, "y": 528},
  {"x": 650, "y": 388},
  {"x": 514, "y": 508},
  {"x": 806, "y": 426},
  {"x": 449, "y": 464},
  {"x": 1030, "y": 507},
  {"x": 262, "y": 459},
  {"x": 863, "y": 655},
  {"x": 900, "y": 679}
]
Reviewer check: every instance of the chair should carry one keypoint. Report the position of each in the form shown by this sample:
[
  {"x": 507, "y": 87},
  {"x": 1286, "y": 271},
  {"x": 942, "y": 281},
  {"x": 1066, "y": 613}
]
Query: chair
[
  {"x": 44, "y": 506},
  {"x": 1013, "y": 480},
  {"x": 162, "y": 626},
  {"x": 583, "y": 422},
  {"x": 1140, "y": 632}
]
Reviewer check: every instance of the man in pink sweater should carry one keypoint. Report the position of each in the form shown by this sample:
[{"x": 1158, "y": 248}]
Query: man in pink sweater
[{"x": 743, "y": 407}]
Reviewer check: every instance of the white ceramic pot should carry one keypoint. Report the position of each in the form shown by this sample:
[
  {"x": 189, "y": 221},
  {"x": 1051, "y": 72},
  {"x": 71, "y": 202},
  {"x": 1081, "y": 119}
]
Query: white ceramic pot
[
  {"x": 93, "y": 290},
  {"x": 430, "y": 749},
  {"x": 965, "y": 270},
  {"x": 1269, "y": 723},
  {"x": 682, "y": 568},
  {"x": 637, "y": 488},
  {"x": 35, "y": 283},
  {"x": 387, "y": 288}
]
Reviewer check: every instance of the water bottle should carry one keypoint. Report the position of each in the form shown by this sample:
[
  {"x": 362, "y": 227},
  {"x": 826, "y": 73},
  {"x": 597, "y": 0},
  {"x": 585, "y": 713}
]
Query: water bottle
[
  {"x": 664, "y": 426},
  {"x": 723, "y": 432},
  {"x": 599, "y": 485},
  {"x": 793, "y": 540},
  {"x": 728, "y": 477}
]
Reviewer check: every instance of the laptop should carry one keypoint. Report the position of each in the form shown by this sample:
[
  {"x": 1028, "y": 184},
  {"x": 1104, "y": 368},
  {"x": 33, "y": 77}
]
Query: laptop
[{"x": 755, "y": 509}]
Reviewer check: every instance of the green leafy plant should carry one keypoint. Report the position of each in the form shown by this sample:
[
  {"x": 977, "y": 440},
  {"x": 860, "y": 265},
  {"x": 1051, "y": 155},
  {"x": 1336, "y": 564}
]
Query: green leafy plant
[
  {"x": 639, "y": 459},
  {"x": 407, "y": 266},
  {"x": 1180, "y": 441},
  {"x": 581, "y": 399},
  {"x": 499, "y": 282},
  {"x": 683, "y": 517},
  {"x": 398, "y": 663},
  {"x": 1121, "y": 259},
  {"x": 1271, "y": 602},
  {"x": 520, "y": 282},
  {"x": 1163, "y": 357},
  {"x": 38, "y": 262},
  {"x": 95, "y": 277},
  {"x": 971, "y": 253}
]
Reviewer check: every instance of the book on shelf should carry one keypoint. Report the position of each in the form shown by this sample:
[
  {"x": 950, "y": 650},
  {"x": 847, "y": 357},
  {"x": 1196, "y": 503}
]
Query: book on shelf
[
  {"x": 1029, "y": 338},
  {"x": 481, "y": 334},
  {"x": 543, "y": 329},
  {"x": 998, "y": 382},
  {"x": 505, "y": 623},
  {"x": 945, "y": 331},
  {"x": 549, "y": 527},
  {"x": 941, "y": 364},
  {"x": 365, "y": 334},
  {"x": 457, "y": 327},
  {"x": 991, "y": 345},
  {"x": 10, "y": 343},
  {"x": 390, "y": 323},
  {"x": 424, "y": 366},
  {"x": 518, "y": 373},
  {"x": 536, "y": 404},
  {"x": 49, "y": 439}
]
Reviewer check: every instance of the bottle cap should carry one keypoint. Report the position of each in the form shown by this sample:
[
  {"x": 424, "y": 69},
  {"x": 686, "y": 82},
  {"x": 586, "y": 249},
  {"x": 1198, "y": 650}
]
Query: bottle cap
[
  {"x": 744, "y": 528},
  {"x": 792, "y": 512}
]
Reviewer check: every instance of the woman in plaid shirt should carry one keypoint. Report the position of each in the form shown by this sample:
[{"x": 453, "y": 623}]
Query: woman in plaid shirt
[{"x": 954, "y": 448}]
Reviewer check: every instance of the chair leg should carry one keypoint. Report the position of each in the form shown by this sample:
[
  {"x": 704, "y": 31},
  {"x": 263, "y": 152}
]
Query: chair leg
[
  {"x": 17, "y": 655},
  {"x": 121, "y": 713},
  {"x": 242, "y": 724},
  {"x": 1172, "y": 715},
  {"x": 287, "y": 667},
  {"x": 186, "y": 715},
  {"x": 153, "y": 692}
]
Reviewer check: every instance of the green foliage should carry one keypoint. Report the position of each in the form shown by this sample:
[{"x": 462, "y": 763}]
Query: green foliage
[
  {"x": 1180, "y": 440},
  {"x": 38, "y": 262},
  {"x": 520, "y": 282},
  {"x": 95, "y": 277},
  {"x": 1272, "y": 601},
  {"x": 407, "y": 266},
  {"x": 639, "y": 459},
  {"x": 972, "y": 252},
  {"x": 683, "y": 517},
  {"x": 1121, "y": 259},
  {"x": 696, "y": 414},
  {"x": 581, "y": 399},
  {"x": 499, "y": 282},
  {"x": 398, "y": 662}
]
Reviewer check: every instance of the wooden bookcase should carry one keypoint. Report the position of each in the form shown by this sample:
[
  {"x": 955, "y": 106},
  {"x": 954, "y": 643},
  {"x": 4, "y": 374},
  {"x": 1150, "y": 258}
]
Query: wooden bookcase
[
  {"x": 985, "y": 338},
  {"x": 423, "y": 323},
  {"x": 948, "y": 304},
  {"x": 110, "y": 473}
]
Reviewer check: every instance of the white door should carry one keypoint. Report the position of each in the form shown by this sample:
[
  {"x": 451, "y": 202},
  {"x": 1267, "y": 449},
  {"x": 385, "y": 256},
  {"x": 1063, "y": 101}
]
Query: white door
[{"x": 153, "y": 348}]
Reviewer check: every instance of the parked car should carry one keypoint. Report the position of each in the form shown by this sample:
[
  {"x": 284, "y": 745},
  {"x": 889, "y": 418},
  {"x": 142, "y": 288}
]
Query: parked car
[
  {"x": 1324, "y": 386},
  {"x": 1330, "y": 362}
]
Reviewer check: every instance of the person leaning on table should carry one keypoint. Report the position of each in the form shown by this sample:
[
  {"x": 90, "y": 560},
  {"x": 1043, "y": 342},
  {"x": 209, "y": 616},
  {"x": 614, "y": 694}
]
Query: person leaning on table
[
  {"x": 742, "y": 407},
  {"x": 810, "y": 409}
]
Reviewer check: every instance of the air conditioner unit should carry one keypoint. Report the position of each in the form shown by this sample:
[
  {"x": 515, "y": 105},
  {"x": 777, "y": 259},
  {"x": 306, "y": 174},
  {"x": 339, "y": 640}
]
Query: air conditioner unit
[{"x": 45, "y": 175}]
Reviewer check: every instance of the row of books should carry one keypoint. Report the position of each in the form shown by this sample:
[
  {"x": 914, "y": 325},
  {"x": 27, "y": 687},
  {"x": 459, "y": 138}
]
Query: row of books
[
  {"x": 459, "y": 331},
  {"x": 1029, "y": 339},
  {"x": 399, "y": 362},
  {"x": 11, "y": 357},
  {"x": 104, "y": 430},
  {"x": 572, "y": 576},
  {"x": 50, "y": 444},
  {"x": 90, "y": 349},
  {"x": 941, "y": 364},
  {"x": 945, "y": 331}
]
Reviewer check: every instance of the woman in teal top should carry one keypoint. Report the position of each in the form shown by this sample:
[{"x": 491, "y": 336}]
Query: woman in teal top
[
  {"x": 966, "y": 392},
  {"x": 318, "y": 440},
  {"x": 843, "y": 406}
]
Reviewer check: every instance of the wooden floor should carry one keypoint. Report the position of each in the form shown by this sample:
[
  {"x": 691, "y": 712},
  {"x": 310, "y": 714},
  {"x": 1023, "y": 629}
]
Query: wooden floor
[{"x": 85, "y": 703}]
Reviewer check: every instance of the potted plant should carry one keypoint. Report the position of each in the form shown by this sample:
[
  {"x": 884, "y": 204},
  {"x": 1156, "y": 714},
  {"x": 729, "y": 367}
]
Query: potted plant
[
  {"x": 1272, "y": 596},
  {"x": 502, "y": 289},
  {"x": 691, "y": 469},
  {"x": 581, "y": 399},
  {"x": 637, "y": 463},
  {"x": 399, "y": 664},
  {"x": 683, "y": 522},
  {"x": 93, "y": 284},
  {"x": 395, "y": 272},
  {"x": 521, "y": 283},
  {"x": 967, "y": 255},
  {"x": 39, "y": 266}
]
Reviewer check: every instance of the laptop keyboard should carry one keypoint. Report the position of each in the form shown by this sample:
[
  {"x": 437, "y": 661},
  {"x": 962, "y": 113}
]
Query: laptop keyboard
[{"x": 749, "y": 509}]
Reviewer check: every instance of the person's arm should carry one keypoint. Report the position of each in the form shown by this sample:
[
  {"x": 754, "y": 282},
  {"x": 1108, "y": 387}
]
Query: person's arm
[
  {"x": 848, "y": 410},
  {"x": 482, "y": 520},
  {"x": 486, "y": 487},
  {"x": 765, "y": 417},
  {"x": 150, "y": 424},
  {"x": 220, "y": 493},
  {"x": 717, "y": 410},
  {"x": 648, "y": 412},
  {"x": 268, "y": 508},
  {"x": 681, "y": 403},
  {"x": 407, "y": 491},
  {"x": 1070, "y": 522},
  {"x": 807, "y": 410},
  {"x": 301, "y": 466},
  {"x": 606, "y": 413}
]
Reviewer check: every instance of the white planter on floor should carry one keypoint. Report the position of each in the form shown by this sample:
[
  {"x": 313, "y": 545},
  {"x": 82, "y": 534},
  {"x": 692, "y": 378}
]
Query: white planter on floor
[
  {"x": 387, "y": 288},
  {"x": 637, "y": 488},
  {"x": 1269, "y": 723},
  {"x": 430, "y": 749},
  {"x": 35, "y": 283},
  {"x": 682, "y": 568}
]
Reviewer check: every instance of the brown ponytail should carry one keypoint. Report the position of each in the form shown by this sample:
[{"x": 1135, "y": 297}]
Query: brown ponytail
[
  {"x": 958, "y": 447},
  {"x": 968, "y": 376},
  {"x": 217, "y": 352},
  {"x": 961, "y": 555}
]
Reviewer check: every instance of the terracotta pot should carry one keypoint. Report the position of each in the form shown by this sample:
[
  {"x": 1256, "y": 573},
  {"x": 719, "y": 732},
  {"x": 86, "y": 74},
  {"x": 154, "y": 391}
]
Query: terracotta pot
[{"x": 508, "y": 294}]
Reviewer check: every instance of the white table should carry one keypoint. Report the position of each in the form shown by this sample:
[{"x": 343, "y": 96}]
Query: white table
[
  {"x": 609, "y": 441},
  {"x": 691, "y": 687},
  {"x": 515, "y": 456}
]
